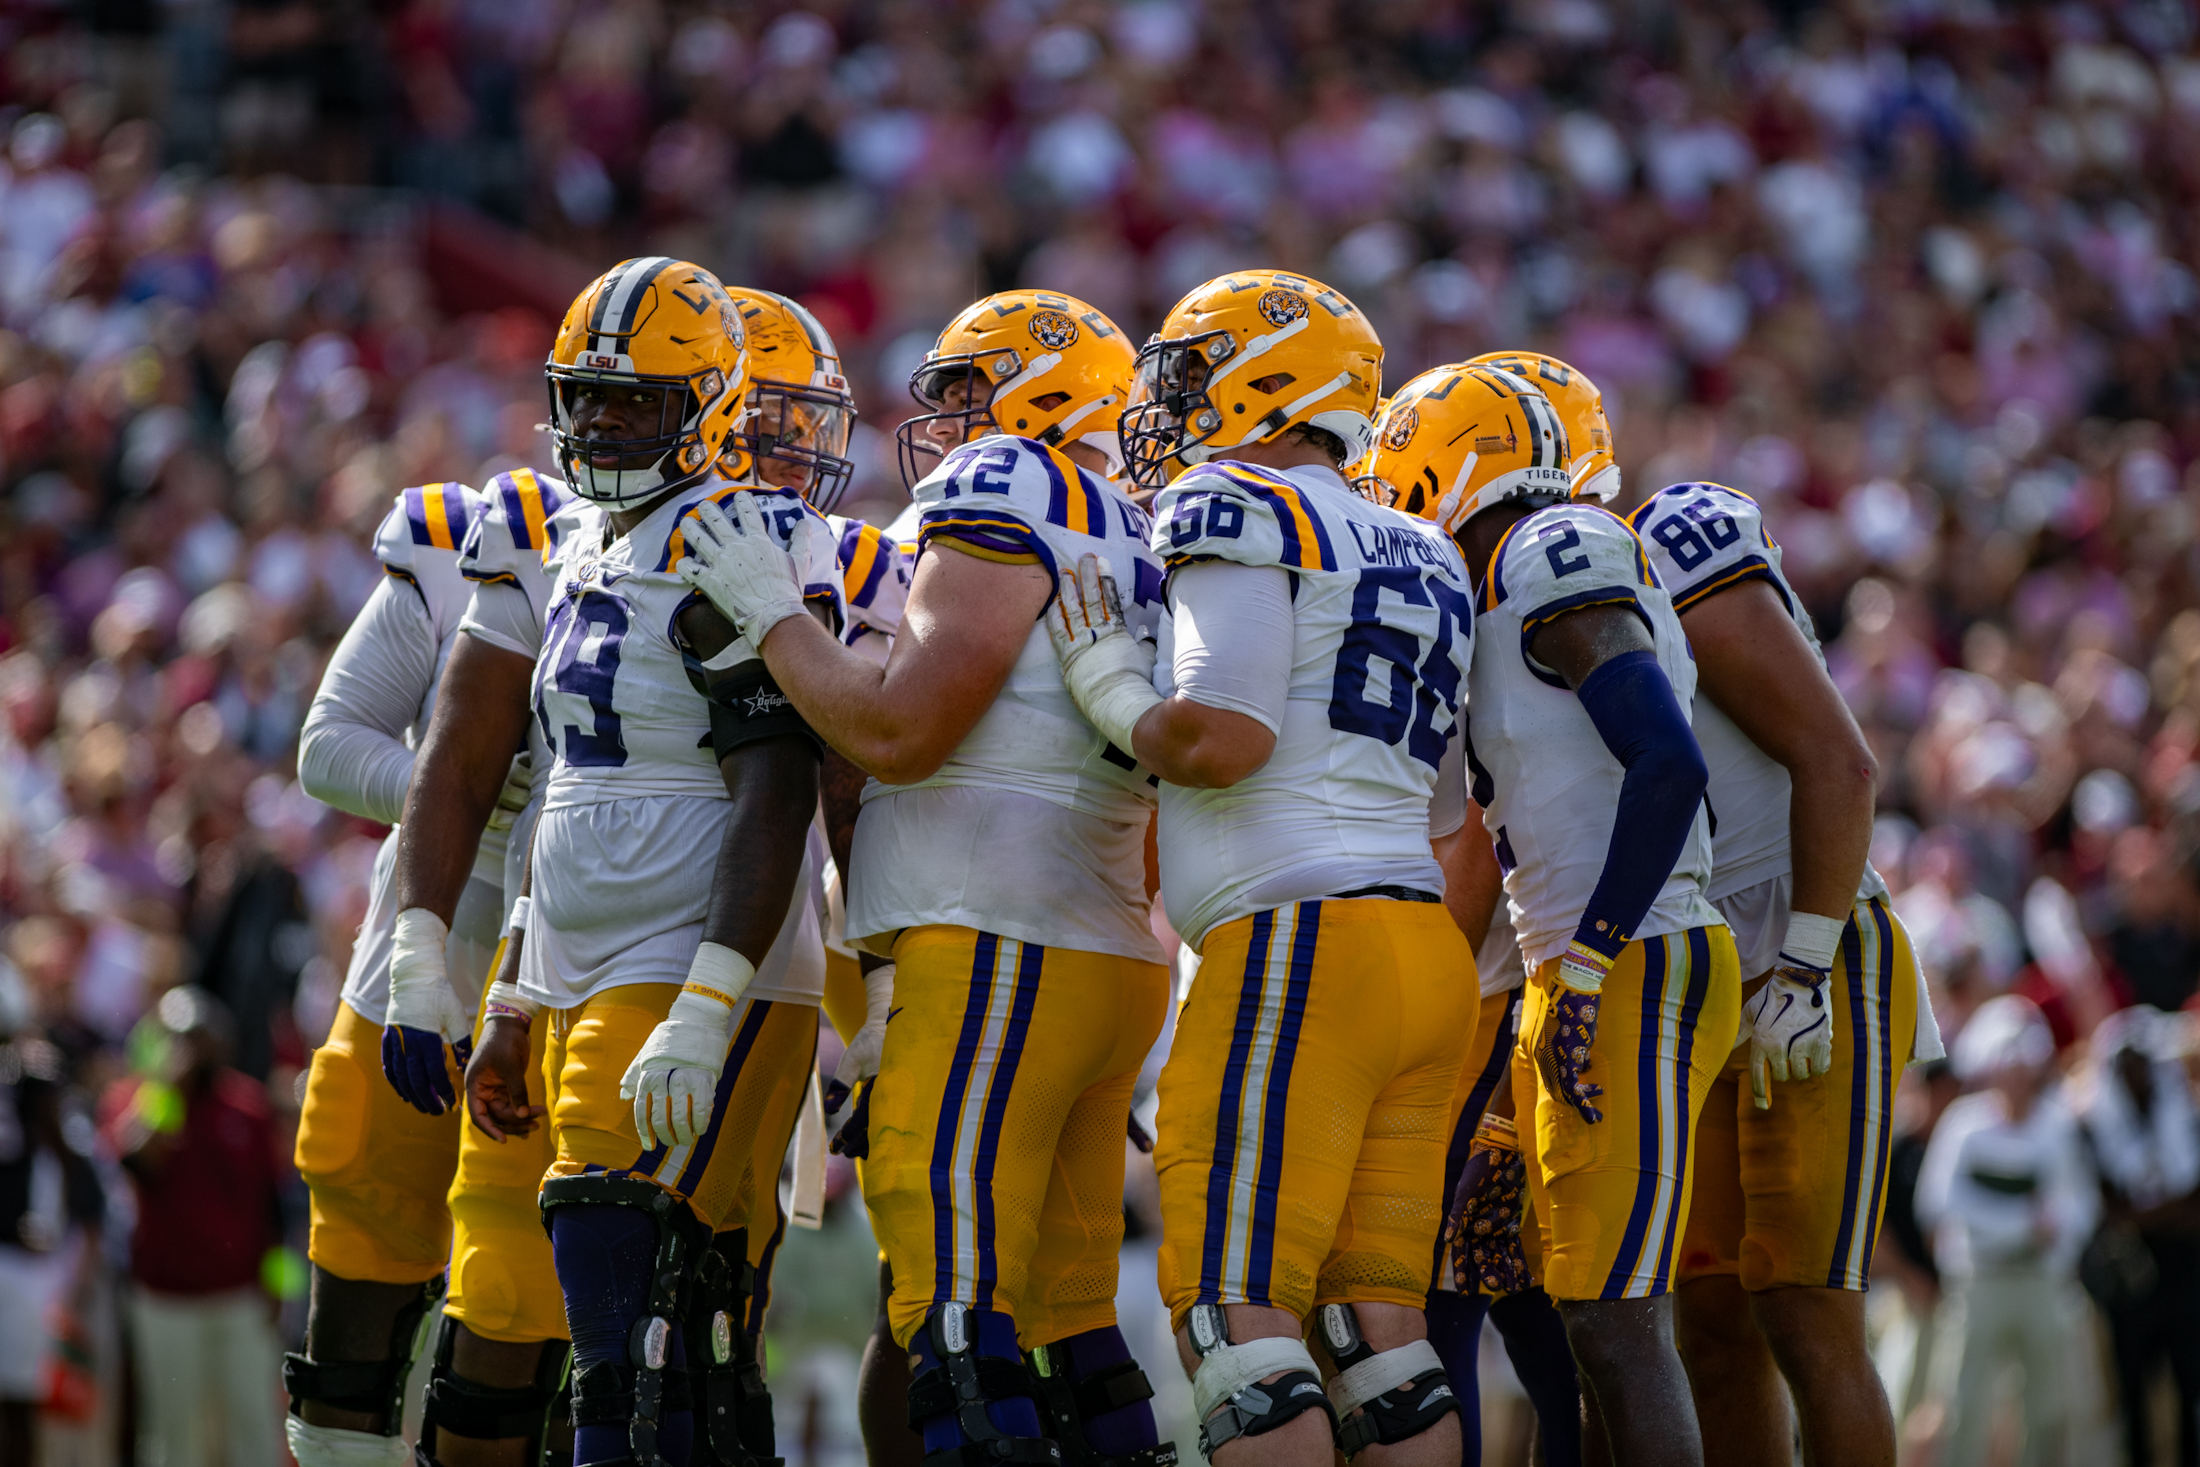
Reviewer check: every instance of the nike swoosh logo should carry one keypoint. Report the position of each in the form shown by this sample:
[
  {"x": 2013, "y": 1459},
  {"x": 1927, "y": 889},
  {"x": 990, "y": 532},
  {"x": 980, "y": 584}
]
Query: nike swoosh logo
[{"x": 890, "y": 1014}]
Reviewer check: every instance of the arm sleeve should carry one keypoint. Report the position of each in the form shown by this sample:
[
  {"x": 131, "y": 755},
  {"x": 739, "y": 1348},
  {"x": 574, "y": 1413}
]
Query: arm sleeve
[
  {"x": 1641, "y": 722},
  {"x": 1234, "y": 639},
  {"x": 351, "y": 752}
]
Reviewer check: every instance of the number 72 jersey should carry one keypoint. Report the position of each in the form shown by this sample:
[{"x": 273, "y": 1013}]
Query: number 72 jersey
[{"x": 1382, "y": 633}]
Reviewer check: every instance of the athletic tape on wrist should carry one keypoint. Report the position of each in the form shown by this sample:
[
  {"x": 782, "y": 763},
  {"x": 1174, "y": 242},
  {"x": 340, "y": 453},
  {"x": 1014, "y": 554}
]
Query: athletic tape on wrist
[
  {"x": 1498, "y": 1132},
  {"x": 1813, "y": 939},
  {"x": 719, "y": 972},
  {"x": 521, "y": 911},
  {"x": 504, "y": 996}
]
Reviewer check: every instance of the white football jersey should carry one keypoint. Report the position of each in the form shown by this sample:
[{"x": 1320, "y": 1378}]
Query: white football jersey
[
  {"x": 418, "y": 543},
  {"x": 635, "y": 805},
  {"x": 1547, "y": 785},
  {"x": 1703, "y": 538},
  {"x": 874, "y": 582},
  {"x": 1383, "y": 630},
  {"x": 1035, "y": 827}
]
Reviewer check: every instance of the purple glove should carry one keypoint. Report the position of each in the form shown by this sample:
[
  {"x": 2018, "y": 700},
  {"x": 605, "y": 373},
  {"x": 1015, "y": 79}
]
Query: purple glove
[
  {"x": 1568, "y": 1032},
  {"x": 1487, "y": 1210},
  {"x": 414, "y": 1064}
]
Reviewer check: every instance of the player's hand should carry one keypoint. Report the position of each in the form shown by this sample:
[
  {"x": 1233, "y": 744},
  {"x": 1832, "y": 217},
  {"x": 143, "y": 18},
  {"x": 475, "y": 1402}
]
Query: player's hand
[
  {"x": 423, "y": 1015},
  {"x": 1107, "y": 668},
  {"x": 512, "y": 798},
  {"x": 1564, "y": 1039},
  {"x": 860, "y": 1059},
  {"x": 673, "y": 1082},
  {"x": 737, "y": 566},
  {"x": 853, "y": 1139},
  {"x": 1487, "y": 1209},
  {"x": 1790, "y": 1028},
  {"x": 496, "y": 1081}
]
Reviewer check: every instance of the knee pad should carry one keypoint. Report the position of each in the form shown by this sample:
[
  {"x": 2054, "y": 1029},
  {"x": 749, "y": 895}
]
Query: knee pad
[
  {"x": 373, "y": 1386},
  {"x": 647, "y": 1386},
  {"x": 1227, "y": 1395},
  {"x": 962, "y": 1385},
  {"x": 1381, "y": 1396},
  {"x": 1070, "y": 1400},
  {"x": 733, "y": 1405},
  {"x": 465, "y": 1408}
]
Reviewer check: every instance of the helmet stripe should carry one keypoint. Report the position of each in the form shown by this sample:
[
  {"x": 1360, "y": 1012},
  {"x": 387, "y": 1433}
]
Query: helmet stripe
[{"x": 622, "y": 298}]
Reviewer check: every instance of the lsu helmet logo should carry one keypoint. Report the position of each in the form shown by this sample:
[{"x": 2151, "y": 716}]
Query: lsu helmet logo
[
  {"x": 1281, "y": 307},
  {"x": 1053, "y": 330},
  {"x": 1399, "y": 431}
]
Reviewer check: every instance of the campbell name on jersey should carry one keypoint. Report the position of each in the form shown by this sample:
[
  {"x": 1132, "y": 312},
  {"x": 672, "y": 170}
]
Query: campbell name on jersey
[
  {"x": 1383, "y": 631},
  {"x": 1548, "y": 786},
  {"x": 1704, "y": 538},
  {"x": 636, "y": 805},
  {"x": 1016, "y": 500}
]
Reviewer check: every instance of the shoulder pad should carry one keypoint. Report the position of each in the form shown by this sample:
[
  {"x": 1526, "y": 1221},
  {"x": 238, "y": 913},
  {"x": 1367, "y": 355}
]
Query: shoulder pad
[
  {"x": 1563, "y": 558},
  {"x": 520, "y": 526},
  {"x": 1705, "y": 537},
  {"x": 797, "y": 527},
  {"x": 1233, "y": 511},
  {"x": 874, "y": 578},
  {"x": 426, "y": 518},
  {"x": 1020, "y": 476}
]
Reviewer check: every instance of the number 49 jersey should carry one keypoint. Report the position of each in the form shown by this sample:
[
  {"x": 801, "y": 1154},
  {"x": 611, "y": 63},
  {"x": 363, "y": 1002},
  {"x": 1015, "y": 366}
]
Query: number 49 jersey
[
  {"x": 1547, "y": 785},
  {"x": 1383, "y": 631}
]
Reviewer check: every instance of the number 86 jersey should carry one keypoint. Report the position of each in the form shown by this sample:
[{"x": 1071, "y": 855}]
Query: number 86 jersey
[{"x": 1382, "y": 633}]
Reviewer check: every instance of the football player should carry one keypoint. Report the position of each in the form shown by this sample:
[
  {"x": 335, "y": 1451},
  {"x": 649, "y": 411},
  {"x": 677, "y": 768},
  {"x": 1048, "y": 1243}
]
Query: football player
[
  {"x": 1792, "y": 1179},
  {"x": 999, "y": 861},
  {"x": 1591, "y": 787},
  {"x": 378, "y": 1158},
  {"x": 1311, "y": 681}
]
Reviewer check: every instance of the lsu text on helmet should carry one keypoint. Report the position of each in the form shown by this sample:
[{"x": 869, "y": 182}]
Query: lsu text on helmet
[
  {"x": 661, "y": 338},
  {"x": 1580, "y": 407},
  {"x": 1244, "y": 358},
  {"x": 1456, "y": 440},
  {"x": 793, "y": 431},
  {"x": 1028, "y": 362}
]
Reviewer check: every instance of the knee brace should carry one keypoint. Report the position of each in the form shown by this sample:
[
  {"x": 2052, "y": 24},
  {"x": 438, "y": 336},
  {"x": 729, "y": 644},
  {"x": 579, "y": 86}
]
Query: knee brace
[
  {"x": 1070, "y": 1400},
  {"x": 647, "y": 1386},
  {"x": 464, "y": 1408},
  {"x": 1227, "y": 1395},
  {"x": 1381, "y": 1396},
  {"x": 962, "y": 1385},
  {"x": 733, "y": 1407},
  {"x": 372, "y": 1386}
]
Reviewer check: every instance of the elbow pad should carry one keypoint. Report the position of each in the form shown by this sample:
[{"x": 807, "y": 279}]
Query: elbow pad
[{"x": 1631, "y": 702}]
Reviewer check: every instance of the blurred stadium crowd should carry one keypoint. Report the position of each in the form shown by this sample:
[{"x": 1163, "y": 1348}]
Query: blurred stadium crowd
[{"x": 1915, "y": 273}]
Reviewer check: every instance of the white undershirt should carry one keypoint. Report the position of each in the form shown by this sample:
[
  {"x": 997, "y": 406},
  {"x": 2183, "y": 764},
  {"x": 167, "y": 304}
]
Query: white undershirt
[
  {"x": 352, "y": 751},
  {"x": 1234, "y": 637}
]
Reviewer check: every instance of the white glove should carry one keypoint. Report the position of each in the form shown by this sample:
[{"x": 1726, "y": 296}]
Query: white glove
[
  {"x": 519, "y": 783},
  {"x": 1790, "y": 1023},
  {"x": 1107, "y": 668},
  {"x": 859, "y": 1061},
  {"x": 673, "y": 1082},
  {"x": 420, "y": 991},
  {"x": 739, "y": 568}
]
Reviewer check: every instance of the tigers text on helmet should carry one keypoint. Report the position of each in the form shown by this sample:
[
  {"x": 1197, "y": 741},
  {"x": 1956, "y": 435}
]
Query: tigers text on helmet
[
  {"x": 1244, "y": 358},
  {"x": 1580, "y": 407},
  {"x": 1054, "y": 369},
  {"x": 792, "y": 433},
  {"x": 662, "y": 337},
  {"x": 1456, "y": 440}
]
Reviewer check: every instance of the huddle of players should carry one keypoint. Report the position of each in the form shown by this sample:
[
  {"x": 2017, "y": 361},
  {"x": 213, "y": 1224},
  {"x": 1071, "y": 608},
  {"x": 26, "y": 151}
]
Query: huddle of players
[{"x": 1302, "y": 684}]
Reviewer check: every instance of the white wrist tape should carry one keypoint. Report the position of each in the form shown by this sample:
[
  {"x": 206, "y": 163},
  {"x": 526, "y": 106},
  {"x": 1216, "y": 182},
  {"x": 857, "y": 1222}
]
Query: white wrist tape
[
  {"x": 418, "y": 935},
  {"x": 505, "y": 992},
  {"x": 521, "y": 911},
  {"x": 1225, "y": 1372},
  {"x": 719, "y": 972},
  {"x": 1387, "y": 1371},
  {"x": 878, "y": 994},
  {"x": 1813, "y": 939},
  {"x": 1115, "y": 703}
]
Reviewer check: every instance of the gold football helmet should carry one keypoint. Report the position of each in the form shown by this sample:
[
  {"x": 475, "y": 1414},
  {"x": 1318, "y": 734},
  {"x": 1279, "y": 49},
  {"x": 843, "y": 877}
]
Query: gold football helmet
[
  {"x": 1028, "y": 362},
  {"x": 662, "y": 335},
  {"x": 1244, "y": 358},
  {"x": 1456, "y": 440},
  {"x": 793, "y": 430},
  {"x": 1581, "y": 407}
]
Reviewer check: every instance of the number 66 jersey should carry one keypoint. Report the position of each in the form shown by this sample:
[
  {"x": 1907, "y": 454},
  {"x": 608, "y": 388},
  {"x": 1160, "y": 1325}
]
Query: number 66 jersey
[{"x": 1382, "y": 630}]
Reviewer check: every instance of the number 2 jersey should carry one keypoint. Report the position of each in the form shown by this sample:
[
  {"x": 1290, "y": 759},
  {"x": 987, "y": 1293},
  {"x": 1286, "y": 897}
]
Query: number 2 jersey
[
  {"x": 1035, "y": 826},
  {"x": 634, "y": 808},
  {"x": 1704, "y": 538},
  {"x": 1382, "y": 634},
  {"x": 1547, "y": 785}
]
